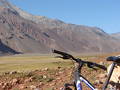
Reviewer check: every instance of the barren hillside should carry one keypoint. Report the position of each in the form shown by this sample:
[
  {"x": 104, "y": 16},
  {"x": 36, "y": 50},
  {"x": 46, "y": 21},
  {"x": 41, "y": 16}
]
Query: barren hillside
[{"x": 27, "y": 33}]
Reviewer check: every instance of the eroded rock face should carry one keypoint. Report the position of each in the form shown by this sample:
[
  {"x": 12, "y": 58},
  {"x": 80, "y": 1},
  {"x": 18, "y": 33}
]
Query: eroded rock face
[
  {"x": 27, "y": 33},
  {"x": 6, "y": 50}
]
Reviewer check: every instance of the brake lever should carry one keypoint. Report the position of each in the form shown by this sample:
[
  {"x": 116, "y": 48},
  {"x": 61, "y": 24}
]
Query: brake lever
[{"x": 91, "y": 66}]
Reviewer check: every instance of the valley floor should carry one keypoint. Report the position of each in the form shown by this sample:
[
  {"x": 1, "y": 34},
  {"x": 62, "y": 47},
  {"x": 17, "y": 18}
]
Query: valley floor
[{"x": 27, "y": 72}]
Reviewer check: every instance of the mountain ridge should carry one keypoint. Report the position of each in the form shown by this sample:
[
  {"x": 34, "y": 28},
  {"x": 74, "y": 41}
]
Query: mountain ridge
[{"x": 25, "y": 34}]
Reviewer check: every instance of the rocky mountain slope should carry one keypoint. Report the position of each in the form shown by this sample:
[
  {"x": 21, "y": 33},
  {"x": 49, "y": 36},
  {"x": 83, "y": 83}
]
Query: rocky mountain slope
[
  {"x": 116, "y": 35},
  {"x": 6, "y": 50},
  {"x": 27, "y": 33}
]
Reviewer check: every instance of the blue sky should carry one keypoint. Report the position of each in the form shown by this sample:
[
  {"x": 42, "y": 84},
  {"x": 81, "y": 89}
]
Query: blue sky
[{"x": 104, "y": 14}]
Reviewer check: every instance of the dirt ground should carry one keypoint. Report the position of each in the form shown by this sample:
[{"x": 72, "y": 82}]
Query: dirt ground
[{"x": 52, "y": 79}]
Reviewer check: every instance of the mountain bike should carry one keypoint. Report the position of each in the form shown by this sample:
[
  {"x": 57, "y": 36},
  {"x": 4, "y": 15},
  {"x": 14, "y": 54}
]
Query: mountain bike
[{"x": 78, "y": 78}]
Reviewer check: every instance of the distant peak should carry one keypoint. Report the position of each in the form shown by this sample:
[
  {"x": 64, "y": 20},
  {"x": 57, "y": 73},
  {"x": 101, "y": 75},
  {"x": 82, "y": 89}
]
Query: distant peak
[{"x": 5, "y": 3}]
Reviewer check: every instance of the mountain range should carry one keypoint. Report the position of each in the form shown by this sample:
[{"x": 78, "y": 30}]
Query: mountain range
[{"x": 21, "y": 32}]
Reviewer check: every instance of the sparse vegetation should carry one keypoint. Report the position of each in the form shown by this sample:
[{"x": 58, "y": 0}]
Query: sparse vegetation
[
  {"x": 40, "y": 71},
  {"x": 28, "y": 63}
]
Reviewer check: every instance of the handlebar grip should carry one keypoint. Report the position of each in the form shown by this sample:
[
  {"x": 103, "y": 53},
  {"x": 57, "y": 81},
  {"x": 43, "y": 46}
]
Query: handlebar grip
[
  {"x": 100, "y": 66},
  {"x": 91, "y": 65},
  {"x": 65, "y": 55}
]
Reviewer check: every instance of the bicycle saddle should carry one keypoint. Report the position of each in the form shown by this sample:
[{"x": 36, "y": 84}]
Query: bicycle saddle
[{"x": 114, "y": 59}]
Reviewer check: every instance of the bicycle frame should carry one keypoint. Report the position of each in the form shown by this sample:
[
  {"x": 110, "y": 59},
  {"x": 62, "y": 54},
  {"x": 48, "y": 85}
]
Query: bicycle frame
[
  {"x": 79, "y": 79},
  {"x": 82, "y": 79}
]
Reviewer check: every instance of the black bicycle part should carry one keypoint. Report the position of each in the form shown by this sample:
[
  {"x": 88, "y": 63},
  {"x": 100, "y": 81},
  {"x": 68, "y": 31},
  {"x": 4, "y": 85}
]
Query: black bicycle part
[
  {"x": 77, "y": 75},
  {"x": 114, "y": 59},
  {"x": 68, "y": 56},
  {"x": 92, "y": 64},
  {"x": 67, "y": 86},
  {"x": 64, "y": 55}
]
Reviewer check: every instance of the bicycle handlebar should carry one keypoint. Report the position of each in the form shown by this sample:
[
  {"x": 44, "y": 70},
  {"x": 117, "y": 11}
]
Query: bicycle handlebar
[
  {"x": 92, "y": 64},
  {"x": 68, "y": 56}
]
